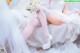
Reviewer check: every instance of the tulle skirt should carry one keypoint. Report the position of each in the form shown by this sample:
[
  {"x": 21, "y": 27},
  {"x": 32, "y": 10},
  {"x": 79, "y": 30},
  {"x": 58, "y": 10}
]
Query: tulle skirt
[{"x": 11, "y": 37}]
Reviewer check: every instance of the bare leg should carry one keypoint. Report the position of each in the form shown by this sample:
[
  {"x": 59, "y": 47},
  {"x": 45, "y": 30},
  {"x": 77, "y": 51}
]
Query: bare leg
[
  {"x": 30, "y": 27},
  {"x": 51, "y": 17}
]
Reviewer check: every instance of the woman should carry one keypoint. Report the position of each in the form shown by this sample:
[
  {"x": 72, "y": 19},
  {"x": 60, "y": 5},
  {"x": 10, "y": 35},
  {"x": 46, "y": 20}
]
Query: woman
[
  {"x": 36, "y": 23},
  {"x": 41, "y": 19},
  {"x": 64, "y": 25},
  {"x": 10, "y": 33}
]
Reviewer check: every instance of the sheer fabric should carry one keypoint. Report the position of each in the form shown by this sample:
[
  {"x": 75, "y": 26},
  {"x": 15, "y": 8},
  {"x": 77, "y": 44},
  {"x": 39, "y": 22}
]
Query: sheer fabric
[{"x": 10, "y": 31}]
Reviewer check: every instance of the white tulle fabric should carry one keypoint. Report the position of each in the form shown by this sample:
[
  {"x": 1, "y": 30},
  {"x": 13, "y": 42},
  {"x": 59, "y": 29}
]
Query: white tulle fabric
[{"x": 9, "y": 30}]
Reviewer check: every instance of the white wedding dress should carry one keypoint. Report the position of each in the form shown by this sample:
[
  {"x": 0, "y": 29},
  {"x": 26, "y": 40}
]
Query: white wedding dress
[
  {"x": 66, "y": 32},
  {"x": 10, "y": 34}
]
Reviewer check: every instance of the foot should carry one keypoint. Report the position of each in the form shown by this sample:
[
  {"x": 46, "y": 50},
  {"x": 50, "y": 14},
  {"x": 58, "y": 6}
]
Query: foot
[{"x": 48, "y": 44}]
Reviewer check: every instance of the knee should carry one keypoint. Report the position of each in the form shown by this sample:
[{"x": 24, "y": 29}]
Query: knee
[{"x": 35, "y": 22}]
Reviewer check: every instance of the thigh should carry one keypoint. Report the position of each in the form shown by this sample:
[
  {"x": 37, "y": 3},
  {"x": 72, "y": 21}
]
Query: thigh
[
  {"x": 35, "y": 21},
  {"x": 53, "y": 19}
]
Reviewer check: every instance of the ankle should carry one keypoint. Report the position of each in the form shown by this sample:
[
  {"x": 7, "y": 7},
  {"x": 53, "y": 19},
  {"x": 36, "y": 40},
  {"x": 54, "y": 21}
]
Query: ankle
[{"x": 47, "y": 38}]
